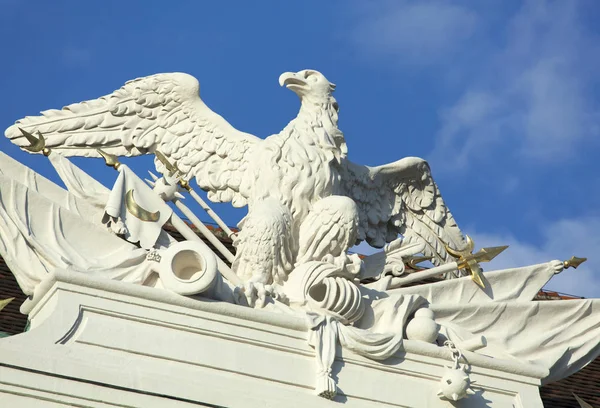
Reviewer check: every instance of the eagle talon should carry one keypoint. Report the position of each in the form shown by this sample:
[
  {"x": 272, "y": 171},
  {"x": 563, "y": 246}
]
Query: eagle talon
[{"x": 257, "y": 294}]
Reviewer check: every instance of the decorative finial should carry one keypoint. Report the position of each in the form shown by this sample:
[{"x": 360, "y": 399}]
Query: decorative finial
[
  {"x": 466, "y": 259},
  {"x": 574, "y": 262},
  {"x": 110, "y": 159},
  {"x": 35, "y": 145}
]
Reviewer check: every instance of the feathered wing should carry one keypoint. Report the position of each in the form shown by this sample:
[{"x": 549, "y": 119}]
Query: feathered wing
[
  {"x": 402, "y": 198},
  {"x": 160, "y": 112}
]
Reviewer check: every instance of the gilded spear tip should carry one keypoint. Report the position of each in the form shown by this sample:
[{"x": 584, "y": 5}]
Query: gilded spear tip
[
  {"x": 36, "y": 145},
  {"x": 173, "y": 169},
  {"x": 163, "y": 159},
  {"x": 476, "y": 277},
  {"x": 574, "y": 262},
  {"x": 110, "y": 159},
  {"x": 489, "y": 253}
]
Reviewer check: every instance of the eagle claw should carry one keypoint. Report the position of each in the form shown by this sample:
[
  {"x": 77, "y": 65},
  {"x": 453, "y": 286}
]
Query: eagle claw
[{"x": 257, "y": 294}]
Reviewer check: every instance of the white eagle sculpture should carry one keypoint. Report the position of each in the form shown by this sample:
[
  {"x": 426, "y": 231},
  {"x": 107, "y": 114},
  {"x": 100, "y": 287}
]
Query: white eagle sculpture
[{"x": 280, "y": 178}]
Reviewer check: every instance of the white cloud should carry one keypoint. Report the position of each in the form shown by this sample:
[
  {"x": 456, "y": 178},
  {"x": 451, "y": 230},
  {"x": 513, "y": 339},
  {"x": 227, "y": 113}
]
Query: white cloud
[
  {"x": 534, "y": 94},
  {"x": 420, "y": 32},
  {"x": 560, "y": 240}
]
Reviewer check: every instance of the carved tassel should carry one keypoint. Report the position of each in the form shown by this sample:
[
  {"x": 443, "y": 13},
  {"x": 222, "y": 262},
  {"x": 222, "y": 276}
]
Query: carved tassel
[
  {"x": 323, "y": 336},
  {"x": 325, "y": 385}
]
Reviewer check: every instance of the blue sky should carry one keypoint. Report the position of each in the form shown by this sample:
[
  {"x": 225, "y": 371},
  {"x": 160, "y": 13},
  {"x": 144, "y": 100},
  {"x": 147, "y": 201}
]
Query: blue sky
[{"x": 502, "y": 97}]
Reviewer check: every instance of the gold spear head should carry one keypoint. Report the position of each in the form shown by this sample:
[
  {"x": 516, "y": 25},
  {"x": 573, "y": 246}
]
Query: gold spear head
[
  {"x": 476, "y": 274},
  {"x": 487, "y": 254},
  {"x": 110, "y": 159},
  {"x": 168, "y": 165},
  {"x": 468, "y": 260},
  {"x": 173, "y": 169},
  {"x": 574, "y": 262},
  {"x": 36, "y": 145}
]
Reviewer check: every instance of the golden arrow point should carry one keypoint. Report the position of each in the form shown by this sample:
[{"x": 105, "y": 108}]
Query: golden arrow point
[
  {"x": 574, "y": 262},
  {"x": 33, "y": 141}
]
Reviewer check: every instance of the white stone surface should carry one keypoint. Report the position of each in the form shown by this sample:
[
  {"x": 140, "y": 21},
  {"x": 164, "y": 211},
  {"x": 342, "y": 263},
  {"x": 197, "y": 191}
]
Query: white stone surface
[{"x": 101, "y": 343}]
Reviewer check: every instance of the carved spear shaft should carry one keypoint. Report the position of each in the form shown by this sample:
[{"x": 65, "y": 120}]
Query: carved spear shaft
[
  {"x": 212, "y": 214},
  {"x": 208, "y": 234},
  {"x": 470, "y": 262},
  {"x": 424, "y": 274},
  {"x": 176, "y": 198},
  {"x": 174, "y": 170}
]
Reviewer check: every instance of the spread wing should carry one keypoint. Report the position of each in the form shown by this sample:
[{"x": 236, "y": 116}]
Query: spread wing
[
  {"x": 402, "y": 198},
  {"x": 160, "y": 112}
]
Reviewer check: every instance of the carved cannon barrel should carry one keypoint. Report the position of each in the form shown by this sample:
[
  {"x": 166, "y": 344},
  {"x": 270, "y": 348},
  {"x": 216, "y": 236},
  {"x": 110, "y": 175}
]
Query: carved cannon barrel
[{"x": 188, "y": 268}]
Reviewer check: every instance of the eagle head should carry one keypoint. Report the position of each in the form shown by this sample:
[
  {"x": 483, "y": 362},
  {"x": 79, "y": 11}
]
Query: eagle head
[
  {"x": 309, "y": 85},
  {"x": 318, "y": 104}
]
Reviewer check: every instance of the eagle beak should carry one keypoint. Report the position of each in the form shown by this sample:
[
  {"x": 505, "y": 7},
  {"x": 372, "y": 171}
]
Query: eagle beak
[{"x": 293, "y": 81}]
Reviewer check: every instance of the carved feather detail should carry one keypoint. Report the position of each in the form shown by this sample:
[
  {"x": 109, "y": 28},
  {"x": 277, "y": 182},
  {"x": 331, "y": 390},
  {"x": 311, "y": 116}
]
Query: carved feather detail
[
  {"x": 161, "y": 112},
  {"x": 402, "y": 198}
]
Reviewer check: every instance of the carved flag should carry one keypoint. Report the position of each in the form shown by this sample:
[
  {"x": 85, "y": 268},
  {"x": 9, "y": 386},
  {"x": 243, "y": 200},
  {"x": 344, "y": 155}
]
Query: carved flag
[
  {"x": 139, "y": 210},
  {"x": 78, "y": 182},
  {"x": 13, "y": 170}
]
